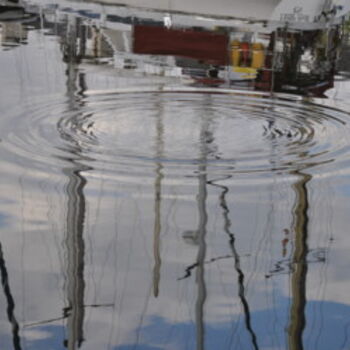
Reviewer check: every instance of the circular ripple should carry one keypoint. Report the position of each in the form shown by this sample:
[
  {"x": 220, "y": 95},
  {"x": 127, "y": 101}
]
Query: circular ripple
[{"x": 181, "y": 132}]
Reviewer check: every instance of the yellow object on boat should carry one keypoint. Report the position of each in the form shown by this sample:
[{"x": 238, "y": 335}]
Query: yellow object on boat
[
  {"x": 245, "y": 72},
  {"x": 235, "y": 52},
  {"x": 258, "y": 55}
]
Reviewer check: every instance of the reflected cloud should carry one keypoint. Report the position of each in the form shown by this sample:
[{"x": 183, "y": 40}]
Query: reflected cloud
[{"x": 160, "y": 333}]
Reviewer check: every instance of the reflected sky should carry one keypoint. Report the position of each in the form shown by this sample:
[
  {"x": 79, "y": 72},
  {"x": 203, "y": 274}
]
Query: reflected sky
[{"x": 172, "y": 181}]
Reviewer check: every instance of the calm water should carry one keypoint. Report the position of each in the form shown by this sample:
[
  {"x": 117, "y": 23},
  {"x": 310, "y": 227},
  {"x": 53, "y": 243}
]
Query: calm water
[{"x": 173, "y": 181}]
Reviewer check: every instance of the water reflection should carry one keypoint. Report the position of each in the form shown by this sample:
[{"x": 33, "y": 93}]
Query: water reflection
[
  {"x": 299, "y": 274},
  {"x": 295, "y": 55},
  {"x": 157, "y": 202},
  {"x": 74, "y": 240},
  {"x": 190, "y": 214},
  {"x": 10, "y": 302},
  {"x": 236, "y": 256}
]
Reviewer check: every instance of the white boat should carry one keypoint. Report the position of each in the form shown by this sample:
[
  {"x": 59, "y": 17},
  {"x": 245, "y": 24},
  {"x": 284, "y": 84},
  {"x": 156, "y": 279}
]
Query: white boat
[{"x": 303, "y": 13}]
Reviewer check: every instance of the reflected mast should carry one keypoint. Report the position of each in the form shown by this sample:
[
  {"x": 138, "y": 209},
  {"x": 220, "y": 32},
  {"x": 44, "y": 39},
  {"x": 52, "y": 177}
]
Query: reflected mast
[
  {"x": 75, "y": 246},
  {"x": 76, "y": 205},
  {"x": 298, "y": 279},
  {"x": 201, "y": 233},
  {"x": 157, "y": 204}
]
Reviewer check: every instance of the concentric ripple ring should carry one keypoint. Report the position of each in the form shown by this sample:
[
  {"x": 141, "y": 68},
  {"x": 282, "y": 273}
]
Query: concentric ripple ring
[{"x": 131, "y": 131}]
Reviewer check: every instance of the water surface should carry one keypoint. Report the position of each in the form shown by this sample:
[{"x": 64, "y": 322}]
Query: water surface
[{"x": 173, "y": 180}]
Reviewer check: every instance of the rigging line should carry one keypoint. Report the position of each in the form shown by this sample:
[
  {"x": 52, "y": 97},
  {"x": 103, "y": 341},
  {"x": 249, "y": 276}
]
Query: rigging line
[
  {"x": 126, "y": 277},
  {"x": 232, "y": 240},
  {"x": 238, "y": 269},
  {"x": 213, "y": 183},
  {"x": 23, "y": 244},
  {"x": 188, "y": 270},
  {"x": 314, "y": 317},
  {"x": 325, "y": 269},
  {"x": 10, "y": 302},
  {"x": 142, "y": 316},
  {"x": 66, "y": 314},
  {"x": 117, "y": 209}
]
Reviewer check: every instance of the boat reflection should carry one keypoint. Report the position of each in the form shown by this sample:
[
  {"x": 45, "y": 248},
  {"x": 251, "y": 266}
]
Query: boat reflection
[
  {"x": 267, "y": 57},
  {"x": 282, "y": 56}
]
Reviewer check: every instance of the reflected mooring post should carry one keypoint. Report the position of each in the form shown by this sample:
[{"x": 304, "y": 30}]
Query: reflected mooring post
[
  {"x": 299, "y": 263},
  {"x": 157, "y": 203}
]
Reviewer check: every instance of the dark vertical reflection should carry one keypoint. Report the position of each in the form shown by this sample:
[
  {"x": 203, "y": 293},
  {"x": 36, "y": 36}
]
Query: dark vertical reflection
[
  {"x": 237, "y": 264},
  {"x": 76, "y": 206},
  {"x": 10, "y": 302},
  {"x": 157, "y": 204},
  {"x": 75, "y": 246},
  {"x": 299, "y": 263},
  {"x": 205, "y": 136}
]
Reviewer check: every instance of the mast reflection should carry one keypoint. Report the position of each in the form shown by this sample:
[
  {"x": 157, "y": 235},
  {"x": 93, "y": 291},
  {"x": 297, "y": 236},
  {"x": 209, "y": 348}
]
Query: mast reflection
[
  {"x": 75, "y": 246},
  {"x": 76, "y": 205},
  {"x": 205, "y": 136},
  {"x": 157, "y": 203},
  {"x": 299, "y": 263}
]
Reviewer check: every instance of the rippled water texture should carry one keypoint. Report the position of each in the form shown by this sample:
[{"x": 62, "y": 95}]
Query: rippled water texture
[{"x": 174, "y": 181}]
